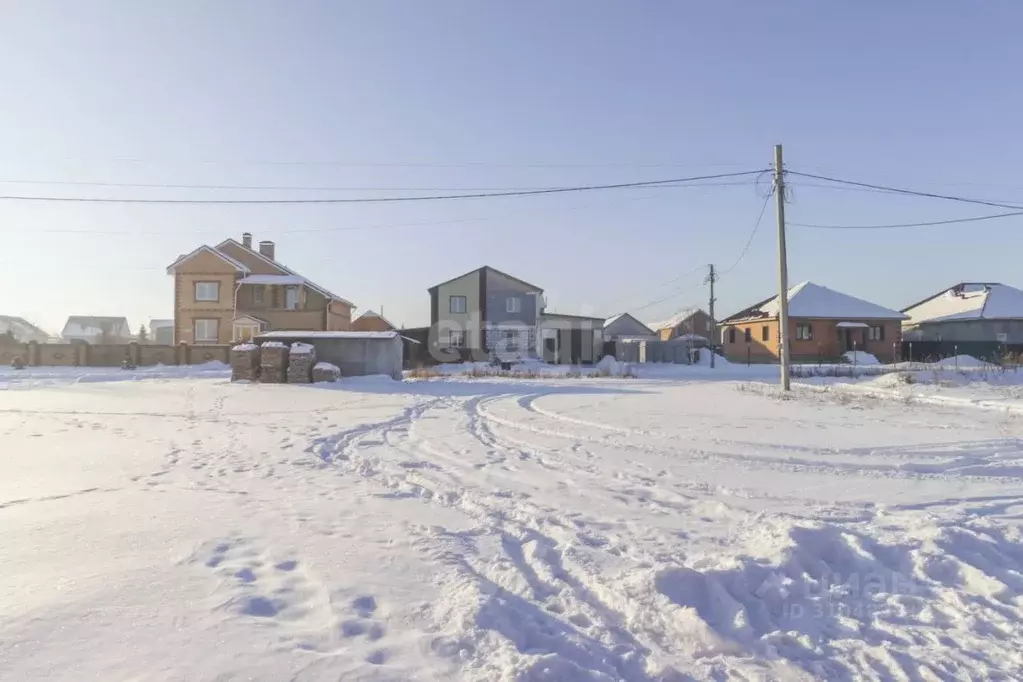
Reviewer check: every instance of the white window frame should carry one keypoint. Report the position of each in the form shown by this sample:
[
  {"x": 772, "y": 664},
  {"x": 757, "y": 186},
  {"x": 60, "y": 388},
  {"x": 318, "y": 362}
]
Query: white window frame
[
  {"x": 290, "y": 304},
  {"x": 206, "y": 297},
  {"x": 875, "y": 332},
  {"x": 464, "y": 304},
  {"x": 197, "y": 338},
  {"x": 258, "y": 294},
  {"x": 804, "y": 332},
  {"x": 513, "y": 304},
  {"x": 456, "y": 338}
]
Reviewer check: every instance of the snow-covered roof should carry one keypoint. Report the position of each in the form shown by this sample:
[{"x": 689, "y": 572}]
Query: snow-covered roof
[
  {"x": 675, "y": 320},
  {"x": 21, "y": 328},
  {"x": 240, "y": 267},
  {"x": 280, "y": 280},
  {"x": 160, "y": 323},
  {"x": 88, "y": 326},
  {"x": 328, "y": 335},
  {"x": 809, "y": 300},
  {"x": 969, "y": 301}
]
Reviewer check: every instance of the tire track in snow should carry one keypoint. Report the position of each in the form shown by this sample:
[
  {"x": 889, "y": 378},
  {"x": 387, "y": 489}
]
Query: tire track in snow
[{"x": 586, "y": 624}]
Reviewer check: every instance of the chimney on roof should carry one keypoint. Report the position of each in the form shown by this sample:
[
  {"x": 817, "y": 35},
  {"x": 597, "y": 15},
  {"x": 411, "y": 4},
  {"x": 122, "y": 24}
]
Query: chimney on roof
[
  {"x": 267, "y": 249},
  {"x": 247, "y": 240}
]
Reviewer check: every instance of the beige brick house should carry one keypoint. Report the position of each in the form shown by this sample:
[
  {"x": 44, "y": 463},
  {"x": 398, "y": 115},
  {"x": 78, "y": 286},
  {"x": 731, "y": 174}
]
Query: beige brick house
[{"x": 232, "y": 292}]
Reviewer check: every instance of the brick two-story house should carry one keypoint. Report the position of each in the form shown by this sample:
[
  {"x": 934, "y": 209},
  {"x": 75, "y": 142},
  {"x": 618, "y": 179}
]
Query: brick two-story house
[
  {"x": 232, "y": 292},
  {"x": 823, "y": 324}
]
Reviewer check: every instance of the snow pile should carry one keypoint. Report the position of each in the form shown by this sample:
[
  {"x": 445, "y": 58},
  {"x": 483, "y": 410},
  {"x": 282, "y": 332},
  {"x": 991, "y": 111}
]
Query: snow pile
[
  {"x": 273, "y": 344},
  {"x": 244, "y": 347},
  {"x": 859, "y": 357},
  {"x": 299, "y": 348},
  {"x": 719, "y": 360},
  {"x": 609, "y": 366},
  {"x": 964, "y": 361}
]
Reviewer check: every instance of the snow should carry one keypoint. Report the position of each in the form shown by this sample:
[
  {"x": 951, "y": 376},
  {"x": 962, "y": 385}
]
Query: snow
[
  {"x": 971, "y": 302},
  {"x": 812, "y": 300},
  {"x": 674, "y": 320},
  {"x": 273, "y": 344},
  {"x": 301, "y": 349},
  {"x": 859, "y": 357},
  {"x": 244, "y": 346},
  {"x": 326, "y": 366},
  {"x": 699, "y": 526},
  {"x": 328, "y": 335}
]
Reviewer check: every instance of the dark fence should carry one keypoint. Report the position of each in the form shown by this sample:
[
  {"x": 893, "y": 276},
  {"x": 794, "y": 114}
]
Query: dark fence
[{"x": 989, "y": 351}]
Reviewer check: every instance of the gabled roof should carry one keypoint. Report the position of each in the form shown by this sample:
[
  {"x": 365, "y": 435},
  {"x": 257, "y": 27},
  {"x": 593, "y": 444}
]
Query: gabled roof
[
  {"x": 373, "y": 313},
  {"x": 309, "y": 283},
  {"x": 622, "y": 316},
  {"x": 19, "y": 326},
  {"x": 483, "y": 271},
  {"x": 156, "y": 323},
  {"x": 675, "y": 320},
  {"x": 90, "y": 325},
  {"x": 969, "y": 301},
  {"x": 809, "y": 300},
  {"x": 240, "y": 267}
]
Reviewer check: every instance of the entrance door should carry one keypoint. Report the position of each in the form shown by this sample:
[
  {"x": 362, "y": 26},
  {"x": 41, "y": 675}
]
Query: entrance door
[{"x": 550, "y": 345}]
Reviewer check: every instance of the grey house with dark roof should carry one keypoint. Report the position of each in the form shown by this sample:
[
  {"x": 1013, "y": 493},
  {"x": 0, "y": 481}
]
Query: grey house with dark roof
[
  {"x": 488, "y": 314},
  {"x": 967, "y": 312},
  {"x": 484, "y": 310}
]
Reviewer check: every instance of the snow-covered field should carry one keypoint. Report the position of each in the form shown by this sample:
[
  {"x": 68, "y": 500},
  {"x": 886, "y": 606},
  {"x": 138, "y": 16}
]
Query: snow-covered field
[{"x": 177, "y": 526}]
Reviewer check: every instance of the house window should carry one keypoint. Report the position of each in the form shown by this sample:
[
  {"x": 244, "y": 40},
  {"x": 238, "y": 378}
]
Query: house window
[
  {"x": 257, "y": 295},
  {"x": 456, "y": 337},
  {"x": 731, "y": 335},
  {"x": 206, "y": 330},
  {"x": 513, "y": 304},
  {"x": 207, "y": 291},
  {"x": 291, "y": 298},
  {"x": 875, "y": 333},
  {"x": 765, "y": 333},
  {"x": 457, "y": 304},
  {"x": 748, "y": 334},
  {"x": 804, "y": 332}
]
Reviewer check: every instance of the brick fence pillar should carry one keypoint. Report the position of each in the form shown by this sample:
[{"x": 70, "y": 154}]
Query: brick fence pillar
[
  {"x": 33, "y": 353},
  {"x": 134, "y": 353},
  {"x": 181, "y": 353}
]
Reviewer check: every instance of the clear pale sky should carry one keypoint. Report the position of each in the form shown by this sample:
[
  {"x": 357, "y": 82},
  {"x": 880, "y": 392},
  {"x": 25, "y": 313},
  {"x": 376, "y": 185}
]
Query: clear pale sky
[{"x": 443, "y": 94}]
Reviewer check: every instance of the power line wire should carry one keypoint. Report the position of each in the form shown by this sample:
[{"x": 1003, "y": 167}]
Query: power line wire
[
  {"x": 366, "y": 200},
  {"x": 920, "y": 224},
  {"x": 389, "y": 164},
  {"x": 760, "y": 219},
  {"x": 908, "y": 192},
  {"x": 295, "y": 188}
]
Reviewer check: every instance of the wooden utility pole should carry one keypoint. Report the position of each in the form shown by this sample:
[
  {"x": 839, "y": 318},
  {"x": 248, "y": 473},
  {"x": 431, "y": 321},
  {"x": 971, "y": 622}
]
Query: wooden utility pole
[
  {"x": 710, "y": 278},
  {"x": 783, "y": 270}
]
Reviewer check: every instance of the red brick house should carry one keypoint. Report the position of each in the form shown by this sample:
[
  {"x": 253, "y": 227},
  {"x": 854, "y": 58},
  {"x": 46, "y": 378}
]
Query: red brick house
[{"x": 823, "y": 324}]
